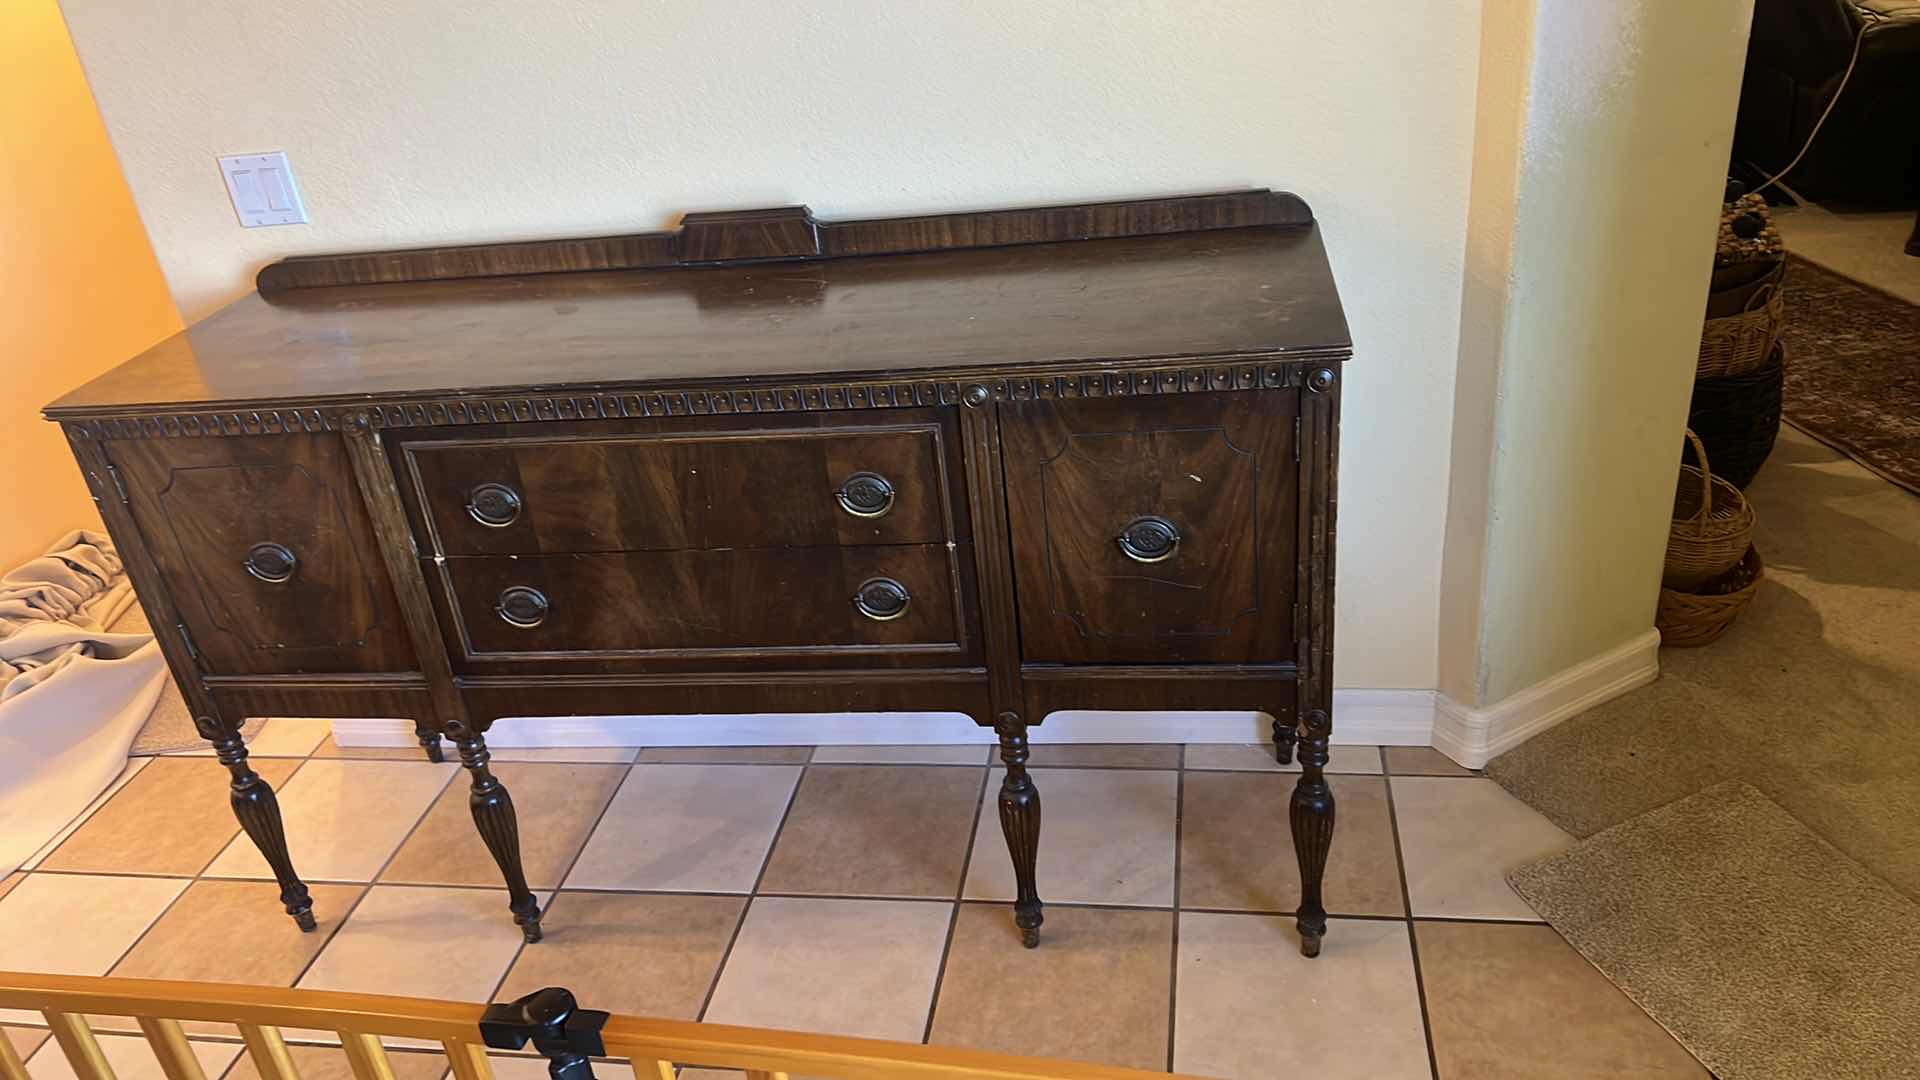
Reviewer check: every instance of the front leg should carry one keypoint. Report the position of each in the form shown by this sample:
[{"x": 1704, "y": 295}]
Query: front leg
[
  {"x": 1311, "y": 815},
  {"x": 1020, "y": 821},
  {"x": 493, "y": 815},
  {"x": 259, "y": 812}
]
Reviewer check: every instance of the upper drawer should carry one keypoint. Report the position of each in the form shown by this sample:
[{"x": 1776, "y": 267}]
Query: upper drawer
[
  {"x": 609, "y": 487},
  {"x": 1154, "y": 530}
]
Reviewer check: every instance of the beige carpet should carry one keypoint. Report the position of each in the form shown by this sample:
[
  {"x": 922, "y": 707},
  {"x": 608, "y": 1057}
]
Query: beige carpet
[
  {"x": 1763, "y": 949},
  {"x": 170, "y": 726},
  {"x": 1813, "y": 697}
]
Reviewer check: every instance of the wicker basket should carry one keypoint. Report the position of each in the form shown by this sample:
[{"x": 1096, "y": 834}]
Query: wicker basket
[
  {"x": 1742, "y": 340},
  {"x": 1738, "y": 418},
  {"x": 1699, "y": 617},
  {"x": 1712, "y": 525}
]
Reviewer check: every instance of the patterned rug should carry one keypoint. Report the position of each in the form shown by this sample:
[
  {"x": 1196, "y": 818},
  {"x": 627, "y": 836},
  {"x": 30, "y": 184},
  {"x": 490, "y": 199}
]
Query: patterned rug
[{"x": 1853, "y": 370}]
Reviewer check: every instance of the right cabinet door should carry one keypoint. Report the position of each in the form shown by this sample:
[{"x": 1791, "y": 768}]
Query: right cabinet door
[{"x": 1156, "y": 529}]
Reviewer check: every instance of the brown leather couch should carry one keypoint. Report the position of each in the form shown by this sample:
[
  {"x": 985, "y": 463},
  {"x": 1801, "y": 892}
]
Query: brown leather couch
[{"x": 1870, "y": 147}]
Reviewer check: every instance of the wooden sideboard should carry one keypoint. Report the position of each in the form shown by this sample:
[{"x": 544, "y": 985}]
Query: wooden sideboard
[{"x": 998, "y": 463}]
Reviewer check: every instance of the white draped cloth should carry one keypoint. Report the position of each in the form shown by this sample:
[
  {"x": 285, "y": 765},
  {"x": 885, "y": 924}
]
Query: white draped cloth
[{"x": 72, "y": 694}]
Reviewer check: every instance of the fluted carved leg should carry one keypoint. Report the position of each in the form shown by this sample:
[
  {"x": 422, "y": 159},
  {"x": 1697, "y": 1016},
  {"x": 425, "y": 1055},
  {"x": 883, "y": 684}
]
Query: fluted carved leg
[
  {"x": 429, "y": 741},
  {"x": 259, "y": 813},
  {"x": 493, "y": 816},
  {"x": 1020, "y": 820},
  {"x": 1286, "y": 733},
  {"x": 1311, "y": 816}
]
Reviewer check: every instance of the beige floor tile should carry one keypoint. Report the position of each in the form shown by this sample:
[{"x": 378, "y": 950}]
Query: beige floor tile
[
  {"x": 1106, "y": 837},
  {"x": 1459, "y": 837},
  {"x": 1258, "y": 757},
  {"x": 290, "y": 736},
  {"x": 25, "y": 1040},
  {"x": 1096, "y": 989},
  {"x": 555, "y": 805},
  {"x": 135, "y": 766},
  {"x": 418, "y": 941},
  {"x": 1423, "y": 761},
  {"x": 328, "y": 748},
  {"x": 598, "y": 944},
  {"x": 1248, "y": 1005},
  {"x": 1236, "y": 849},
  {"x": 597, "y": 755},
  {"x": 78, "y": 924},
  {"x": 842, "y": 967},
  {"x": 1502, "y": 1001},
  {"x": 130, "y": 1058},
  {"x": 343, "y": 818},
  {"x": 7, "y": 883},
  {"x": 173, "y": 818},
  {"x": 694, "y": 828},
  {"x": 726, "y": 755},
  {"x": 964, "y": 754},
  {"x": 1106, "y": 755},
  {"x": 876, "y": 830},
  {"x": 330, "y": 1063}
]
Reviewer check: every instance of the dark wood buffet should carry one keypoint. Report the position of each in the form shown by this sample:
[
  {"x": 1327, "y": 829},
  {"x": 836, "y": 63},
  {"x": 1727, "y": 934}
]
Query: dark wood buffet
[{"x": 998, "y": 463}]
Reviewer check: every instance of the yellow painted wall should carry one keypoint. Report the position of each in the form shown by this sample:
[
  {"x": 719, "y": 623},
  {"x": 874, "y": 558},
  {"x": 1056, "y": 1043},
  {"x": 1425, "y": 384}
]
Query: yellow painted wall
[{"x": 80, "y": 289}]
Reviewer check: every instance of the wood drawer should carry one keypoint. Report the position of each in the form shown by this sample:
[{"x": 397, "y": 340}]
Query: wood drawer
[
  {"x": 1154, "y": 531},
  {"x": 689, "y": 604},
  {"x": 654, "y": 487}
]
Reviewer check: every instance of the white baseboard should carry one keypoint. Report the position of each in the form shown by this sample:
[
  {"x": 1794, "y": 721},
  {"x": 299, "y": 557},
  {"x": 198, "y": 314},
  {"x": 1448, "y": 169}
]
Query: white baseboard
[
  {"x": 1474, "y": 736},
  {"x": 1360, "y": 717}
]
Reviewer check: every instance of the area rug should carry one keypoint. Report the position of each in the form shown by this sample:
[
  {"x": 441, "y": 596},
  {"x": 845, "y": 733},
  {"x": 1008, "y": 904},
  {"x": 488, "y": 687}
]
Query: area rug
[
  {"x": 170, "y": 726},
  {"x": 1853, "y": 369},
  {"x": 1763, "y": 949}
]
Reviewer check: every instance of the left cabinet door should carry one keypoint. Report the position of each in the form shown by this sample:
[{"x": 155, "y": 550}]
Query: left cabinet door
[{"x": 266, "y": 549}]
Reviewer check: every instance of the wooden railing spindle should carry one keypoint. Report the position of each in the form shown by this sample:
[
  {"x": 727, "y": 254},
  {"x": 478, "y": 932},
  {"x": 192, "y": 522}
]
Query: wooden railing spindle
[
  {"x": 170, "y": 1046},
  {"x": 652, "y": 1070},
  {"x": 77, "y": 1042},
  {"x": 469, "y": 1060},
  {"x": 11, "y": 1067},
  {"x": 366, "y": 1055},
  {"x": 269, "y": 1052}
]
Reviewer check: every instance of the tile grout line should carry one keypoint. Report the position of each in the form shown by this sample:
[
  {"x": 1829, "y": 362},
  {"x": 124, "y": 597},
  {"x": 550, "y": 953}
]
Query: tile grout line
[
  {"x": 1173, "y": 947},
  {"x": 1406, "y": 897},
  {"x": 560, "y": 879},
  {"x": 753, "y": 891},
  {"x": 959, "y": 894}
]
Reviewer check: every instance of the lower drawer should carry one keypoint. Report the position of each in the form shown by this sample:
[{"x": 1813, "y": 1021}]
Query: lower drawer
[{"x": 663, "y": 604}]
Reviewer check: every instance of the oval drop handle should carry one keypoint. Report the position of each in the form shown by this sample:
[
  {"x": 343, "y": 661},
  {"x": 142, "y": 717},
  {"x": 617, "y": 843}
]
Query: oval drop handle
[
  {"x": 271, "y": 563},
  {"x": 522, "y": 606},
  {"x": 882, "y": 599},
  {"x": 1149, "y": 539},
  {"x": 494, "y": 505},
  {"x": 865, "y": 494}
]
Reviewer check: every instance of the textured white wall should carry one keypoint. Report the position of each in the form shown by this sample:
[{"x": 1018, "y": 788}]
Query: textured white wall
[
  {"x": 417, "y": 123},
  {"x": 1595, "y": 204}
]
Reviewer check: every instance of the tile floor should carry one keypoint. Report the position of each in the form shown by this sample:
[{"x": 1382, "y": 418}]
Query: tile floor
[{"x": 859, "y": 890}]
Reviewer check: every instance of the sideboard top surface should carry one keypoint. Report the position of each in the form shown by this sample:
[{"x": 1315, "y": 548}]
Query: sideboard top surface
[{"x": 1263, "y": 291}]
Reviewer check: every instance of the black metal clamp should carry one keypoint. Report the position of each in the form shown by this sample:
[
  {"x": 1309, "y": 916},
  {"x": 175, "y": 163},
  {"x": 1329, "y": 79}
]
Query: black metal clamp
[{"x": 563, "y": 1032}]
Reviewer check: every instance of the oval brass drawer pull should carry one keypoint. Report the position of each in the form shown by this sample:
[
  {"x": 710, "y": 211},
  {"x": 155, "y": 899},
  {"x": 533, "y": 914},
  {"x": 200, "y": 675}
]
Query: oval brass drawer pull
[
  {"x": 1149, "y": 539},
  {"x": 271, "y": 563},
  {"x": 494, "y": 505},
  {"x": 522, "y": 606},
  {"x": 865, "y": 494},
  {"x": 882, "y": 599}
]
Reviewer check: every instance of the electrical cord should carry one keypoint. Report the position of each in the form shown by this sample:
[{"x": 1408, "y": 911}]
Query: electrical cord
[{"x": 1828, "y": 111}]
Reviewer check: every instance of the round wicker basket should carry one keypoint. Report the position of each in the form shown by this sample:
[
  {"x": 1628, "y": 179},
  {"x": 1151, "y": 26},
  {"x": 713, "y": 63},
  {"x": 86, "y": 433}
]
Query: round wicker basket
[
  {"x": 1687, "y": 619},
  {"x": 1738, "y": 418},
  {"x": 1712, "y": 524},
  {"x": 1737, "y": 343}
]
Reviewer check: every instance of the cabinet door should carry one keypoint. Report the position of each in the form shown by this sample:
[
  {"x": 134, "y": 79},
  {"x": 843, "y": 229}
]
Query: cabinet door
[
  {"x": 267, "y": 552},
  {"x": 1154, "y": 529}
]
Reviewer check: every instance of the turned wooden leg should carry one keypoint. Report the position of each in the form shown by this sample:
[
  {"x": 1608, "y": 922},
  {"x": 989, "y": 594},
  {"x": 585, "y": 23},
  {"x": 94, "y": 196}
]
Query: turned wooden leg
[
  {"x": 493, "y": 816},
  {"x": 429, "y": 741},
  {"x": 1020, "y": 820},
  {"x": 1286, "y": 733},
  {"x": 1311, "y": 815},
  {"x": 259, "y": 813}
]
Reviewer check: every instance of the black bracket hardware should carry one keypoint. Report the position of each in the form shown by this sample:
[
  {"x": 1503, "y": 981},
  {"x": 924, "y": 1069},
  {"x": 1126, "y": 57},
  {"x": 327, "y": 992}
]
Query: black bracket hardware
[{"x": 563, "y": 1032}]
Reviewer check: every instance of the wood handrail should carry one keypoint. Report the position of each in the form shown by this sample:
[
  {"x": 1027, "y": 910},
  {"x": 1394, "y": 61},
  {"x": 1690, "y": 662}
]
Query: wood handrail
[{"x": 362, "y": 1020}]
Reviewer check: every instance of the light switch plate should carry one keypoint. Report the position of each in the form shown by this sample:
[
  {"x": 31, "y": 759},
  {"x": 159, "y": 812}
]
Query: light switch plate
[{"x": 262, "y": 189}]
